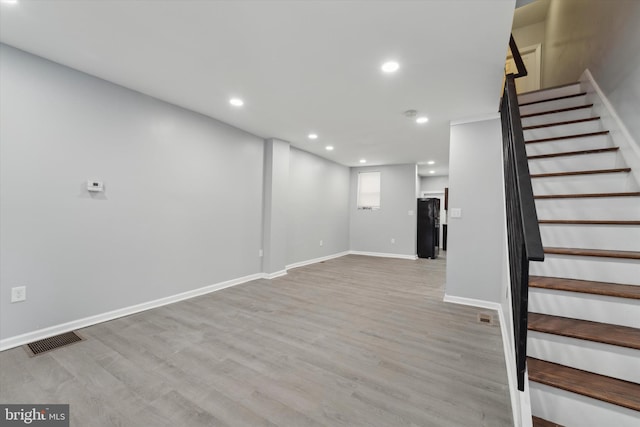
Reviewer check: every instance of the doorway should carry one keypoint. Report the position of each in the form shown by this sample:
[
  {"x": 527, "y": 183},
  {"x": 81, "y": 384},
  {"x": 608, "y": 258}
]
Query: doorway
[{"x": 531, "y": 56}]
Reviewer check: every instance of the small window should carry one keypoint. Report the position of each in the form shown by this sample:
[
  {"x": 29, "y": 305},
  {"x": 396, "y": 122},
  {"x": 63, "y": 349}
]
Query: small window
[{"x": 369, "y": 190}]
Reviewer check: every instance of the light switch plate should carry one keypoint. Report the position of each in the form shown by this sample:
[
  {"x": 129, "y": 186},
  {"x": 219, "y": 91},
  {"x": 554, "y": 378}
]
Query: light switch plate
[{"x": 455, "y": 213}]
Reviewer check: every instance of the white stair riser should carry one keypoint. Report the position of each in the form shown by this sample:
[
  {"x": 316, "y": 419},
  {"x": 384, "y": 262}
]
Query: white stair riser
[
  {"x": 553, "y": 105},
  {"x": 572, "y": 144},
  {"x": 608, "y": 237},
  {"x": 555, "y": 92},
  {"x": 576, "y": 305},
  {"x": 563, "y": 130},
  {"x": 582, "y": 113},
  {"x": 574, "y": 184},
  {"x": 613, "y": 208},
  {"x": 574, "y": 410},
  {"x": 607, "y": 160},
  {"x": 604, "y": 359}
]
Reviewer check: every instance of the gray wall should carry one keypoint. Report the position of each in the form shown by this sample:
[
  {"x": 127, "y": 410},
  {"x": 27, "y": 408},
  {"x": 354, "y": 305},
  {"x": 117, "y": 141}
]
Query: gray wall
[
  {"x": 181, "y": 210},
  {"x": 372, "y": 231},
  {"x": 318, "y": 207},
  {"x": 476, "y": 241},
  {"x": 433, "y": 183},
  {"x": 603, "y": 36}
]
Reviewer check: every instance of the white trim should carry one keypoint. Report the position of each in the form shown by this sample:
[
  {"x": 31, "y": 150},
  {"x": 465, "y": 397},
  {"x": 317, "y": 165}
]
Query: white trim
[
  {"x": 629, "y": 148},
  {"x": 316, "y": 260},
  {"x": 472, "y": 302},
  {"x": 39, "y": 334},
  {"x": 384, "y": 255},
  {"x": 275, "y": 274},
  {"x": 480, "y": 118},
  {"x": 612, "y": 111}
]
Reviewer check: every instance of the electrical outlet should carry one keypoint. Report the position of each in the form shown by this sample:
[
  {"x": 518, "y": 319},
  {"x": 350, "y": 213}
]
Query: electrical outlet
[
  {"x": 321, "y": 243},
  {"x": 393, "y": 241},
  {"x": 19, "y": 293},
  {"x": 260, "y": 253}
]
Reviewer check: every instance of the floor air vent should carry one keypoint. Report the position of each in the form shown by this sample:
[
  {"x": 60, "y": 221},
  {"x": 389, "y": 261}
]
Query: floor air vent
[
  {"x": 48, "y": 344},
  {"x": 485, "y": 318}
]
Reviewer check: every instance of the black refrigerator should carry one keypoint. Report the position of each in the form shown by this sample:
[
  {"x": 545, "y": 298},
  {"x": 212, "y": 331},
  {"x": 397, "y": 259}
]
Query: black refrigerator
[{"x": 428, "y": 228}]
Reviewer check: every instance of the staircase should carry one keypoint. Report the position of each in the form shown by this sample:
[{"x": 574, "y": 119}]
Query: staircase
[{"x": 583, "y": 353}]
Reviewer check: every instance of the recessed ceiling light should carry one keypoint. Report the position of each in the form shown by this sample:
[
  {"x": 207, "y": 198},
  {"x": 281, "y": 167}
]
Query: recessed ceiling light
[
  {"x": 422, "y": 120},
  {"x": 431, "y": 162},
  {"x": 9, "y": 1},
  {"x": 363, "y": 160},
  {"x": 313, "y": 136},
  {"x": 329, "y": 147},
  {"x": 390, "y": 67},
  {"x": 432, "y": 171},
  {"x": 236, "y": 102}
]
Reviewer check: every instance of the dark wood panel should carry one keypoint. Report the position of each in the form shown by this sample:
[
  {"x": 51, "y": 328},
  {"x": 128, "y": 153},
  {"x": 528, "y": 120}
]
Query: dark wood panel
[
  {"x": 539, "y": 422},
  {"x": 585, "y": 195},
  {"x": 588, "y": 222},
  {"x": 593, "y": 252},
  {"x": 561, "y": 110},
  {"x": 574, "y": 153},
  {"x": 557, "y": 98},
  {"x": 570, "y": 122},
  {"x": 607, "y": 389},
  {"x": 585, "y": 286},
  {"x": 560, "y": 138},
  {"x": 605, "y": 333},
  {"x": 587, "y": 172}
]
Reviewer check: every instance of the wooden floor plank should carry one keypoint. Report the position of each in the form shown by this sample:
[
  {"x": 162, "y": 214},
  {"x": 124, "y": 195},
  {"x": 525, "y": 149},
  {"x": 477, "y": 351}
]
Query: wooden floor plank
[
  {"x": 574, "y": 153},
  {"x": 585, "y": 172},
  {"x": 605, "y": 333},
  {"x": 588, "y": 222},
  {"x": 351, "y": 341},
  {"x": 561, "y": 110},
  {"x": 539, "y": 422},
  {"x": 592, "y": 253},
  {"x": 585, "y": 286},
  {"x": 607, "y": 389},
  {"x": 564, "y": 137},
  {"x": 557, "y": 98}
]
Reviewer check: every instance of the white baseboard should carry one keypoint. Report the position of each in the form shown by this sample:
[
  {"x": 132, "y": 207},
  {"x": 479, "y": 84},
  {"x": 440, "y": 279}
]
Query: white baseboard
[
  {"x": 274, "y": 275},
  {"x": 316, "y": 260},
  {"x": 473, "y": 302},
  {"x": 384, "y": 255},
  {"x": 50, "y": 331}
]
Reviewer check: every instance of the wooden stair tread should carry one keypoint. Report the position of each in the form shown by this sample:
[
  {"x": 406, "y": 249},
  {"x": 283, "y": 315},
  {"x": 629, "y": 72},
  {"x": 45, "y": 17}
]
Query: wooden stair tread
[
  {"x": 570, "y": 122},
  {"x": 561, "y": 110},
  {"x": 557, "y": 98},
  {"x": 622, "y": 336},
  {"x": 586, "y": 172},
  {"x": 585, "y": 286},
  {"x": 584, "y": 195},
  {"x": 540, "y": 422},
  {"x": 574, "y": 153},
  {"x": 607, "y": 389},
  {"x": 560, "y": 138},
  {"x": 588, "y": 222},
  {"x": 593, "y": 252}
]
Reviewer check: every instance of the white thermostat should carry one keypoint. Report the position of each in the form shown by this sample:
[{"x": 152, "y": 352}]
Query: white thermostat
[{"x": 93, "y": 185}]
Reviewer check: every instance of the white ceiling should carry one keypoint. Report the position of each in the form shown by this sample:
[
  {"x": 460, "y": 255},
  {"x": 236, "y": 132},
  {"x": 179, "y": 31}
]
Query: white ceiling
[{"x": 300, "y": 66}]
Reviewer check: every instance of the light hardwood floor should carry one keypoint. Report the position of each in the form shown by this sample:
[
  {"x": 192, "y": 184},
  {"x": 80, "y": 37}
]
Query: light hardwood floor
[{"x": 354, "y": 341}]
